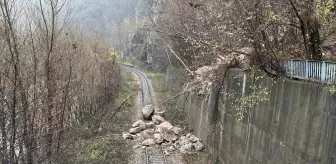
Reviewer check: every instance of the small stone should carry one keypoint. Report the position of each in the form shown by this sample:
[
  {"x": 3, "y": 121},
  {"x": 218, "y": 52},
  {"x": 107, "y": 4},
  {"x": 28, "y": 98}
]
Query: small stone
[
  {"x": 158, "y": 119},
  {"x": 148, "y": 142},
  {"x": 194, "y": 139},
  {"x": 184, "y": 140},
  {"x": 198, "y": 146},
  {"x": 147, "y": 112},
  {"x": 158, "y": 138},
  {"x": 187, "y": 148},
  {"x": 143, "y": 127},
  {"x": 100, "y": 130},
  {"x": 177, "y": 130},
  {"x": 171, "y": 149},
  {"x": 166, "y": 125},
  {"x": 165, "y": 152},
  {"x": 128, "y": 136},
  {"x": 188, "y": 135},
  {"x": 150, "y": 125},
  {"x": 136, "y": 146},
  {"x": 137, "y": 123},
  {"x": 135, "y": 130},
  {"x": 160, "y": 113}
]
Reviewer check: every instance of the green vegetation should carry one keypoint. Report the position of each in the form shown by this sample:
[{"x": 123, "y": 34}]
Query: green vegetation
[
  {"x": 332, "y": 89},
  {"x": 174, "y": 112},
  {"x": 107, "y": 145},
  {"x": 158, "y": 81}
]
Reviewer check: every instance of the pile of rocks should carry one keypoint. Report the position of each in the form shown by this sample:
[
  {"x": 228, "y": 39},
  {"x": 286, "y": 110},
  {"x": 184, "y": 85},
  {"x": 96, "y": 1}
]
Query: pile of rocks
[{"x": 154, "y": 129}]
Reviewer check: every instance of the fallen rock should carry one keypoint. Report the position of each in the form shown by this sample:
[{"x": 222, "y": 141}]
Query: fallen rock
[
  {"x": 137, "y": 146},
  {"x": 138, "y": 123},
  {"x": 135, "y": 130},
  {"x": 187, "y": 148},
  {"x": 188, "y": 135},
  {"x": 100, "y": 130},
  {"x": 147, "y": 134},
  {"x": 158, "y": 119},
  {"x": 171, "y": 148},
  {"x": 148, "y": 142},
  {"x": 176, "y": 145},
  {"x": 128, "y": 136},
  {"x": 160, "y": 113},
  {"x": 147, "y": 112},
  {"x": 143, "y": 127},
  {"x": 194, "y": 139},
  {"x": 165, "y": 125},
  {"x": 198, "y": 146},
  {"x": 184, "y": 140},
  {"x": 177, "y": 130},
  {"x": 168, "y": 135},
  {"x": 158, "y": 138},
  {"x": 150, "y": 125}
]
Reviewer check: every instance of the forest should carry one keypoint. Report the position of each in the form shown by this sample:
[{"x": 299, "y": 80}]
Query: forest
[{"x": 53, "y": 79}]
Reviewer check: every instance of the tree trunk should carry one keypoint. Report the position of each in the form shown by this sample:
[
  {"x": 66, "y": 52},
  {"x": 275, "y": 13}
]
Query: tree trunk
[{"x": 314, "y": 40}]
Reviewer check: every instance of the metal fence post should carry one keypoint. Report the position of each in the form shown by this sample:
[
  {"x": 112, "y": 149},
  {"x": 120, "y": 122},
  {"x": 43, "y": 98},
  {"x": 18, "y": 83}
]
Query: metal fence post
[
  {"x": 307, "y": 68},
  {"x": 291, "y": 69},
  {"x": 323, "y": 71}
]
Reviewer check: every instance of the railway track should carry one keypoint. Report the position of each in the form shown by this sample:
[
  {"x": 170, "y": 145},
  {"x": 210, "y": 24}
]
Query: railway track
[{"x": 153, "y": 154}]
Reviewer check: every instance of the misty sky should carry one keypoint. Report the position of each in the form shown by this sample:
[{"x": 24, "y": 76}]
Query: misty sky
[{"x": 101, "y": 17}]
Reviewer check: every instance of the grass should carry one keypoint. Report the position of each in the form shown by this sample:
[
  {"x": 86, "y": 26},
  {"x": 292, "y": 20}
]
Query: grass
[
  {"x": 108, "y": 146},
  {"x": 174, "y": 107}
]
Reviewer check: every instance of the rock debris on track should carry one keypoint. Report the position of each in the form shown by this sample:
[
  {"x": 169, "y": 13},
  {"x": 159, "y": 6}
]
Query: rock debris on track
[{"x": 156, "y": 140}]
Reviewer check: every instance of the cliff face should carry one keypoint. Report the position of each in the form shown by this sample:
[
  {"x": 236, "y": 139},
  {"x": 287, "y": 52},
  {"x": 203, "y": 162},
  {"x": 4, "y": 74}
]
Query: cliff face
[
  {"x": 157, "y": 43},
  {"x": 146, "y": 44}
]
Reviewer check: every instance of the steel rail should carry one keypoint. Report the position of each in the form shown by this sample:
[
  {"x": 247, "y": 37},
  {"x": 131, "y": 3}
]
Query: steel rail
[{"x": 159, "y": 153}]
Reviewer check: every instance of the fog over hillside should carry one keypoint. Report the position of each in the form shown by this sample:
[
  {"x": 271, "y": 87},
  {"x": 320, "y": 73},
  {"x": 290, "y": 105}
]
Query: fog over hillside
[{"x": 102, "y": 18}]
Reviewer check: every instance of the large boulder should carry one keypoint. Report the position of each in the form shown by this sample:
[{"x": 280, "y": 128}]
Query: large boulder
[
  {"x": 158, "y": 119},
  {"x": 166, "y": 131},
  {"x": 148, "y": 142},
  {"x": 147, "y": 112}
]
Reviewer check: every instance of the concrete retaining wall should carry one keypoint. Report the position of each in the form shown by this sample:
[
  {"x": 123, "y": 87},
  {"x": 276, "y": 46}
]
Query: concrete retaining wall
[{"x": 297, "y": 124}]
